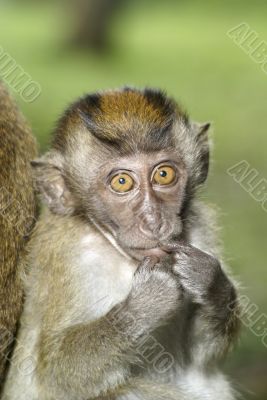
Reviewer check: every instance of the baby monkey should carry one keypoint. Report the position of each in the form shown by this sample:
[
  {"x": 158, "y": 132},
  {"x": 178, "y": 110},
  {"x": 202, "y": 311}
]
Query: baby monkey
[{"x": 123, "y": 263}]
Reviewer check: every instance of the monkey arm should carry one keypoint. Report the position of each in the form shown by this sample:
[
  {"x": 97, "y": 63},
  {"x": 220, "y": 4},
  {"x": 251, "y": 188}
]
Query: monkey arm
[
  {"x": 93, "y": 362},
  {"x": 217, "y": 324},
  {"x": 216, "y": 320},
  {"x": 86, "y": 359}
]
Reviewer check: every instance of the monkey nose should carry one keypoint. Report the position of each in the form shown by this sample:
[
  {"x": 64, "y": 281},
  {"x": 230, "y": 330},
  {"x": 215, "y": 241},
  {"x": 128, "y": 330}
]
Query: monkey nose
[
  {"x": 147, "y": 231},
  {"x": 153, "y": 229}
]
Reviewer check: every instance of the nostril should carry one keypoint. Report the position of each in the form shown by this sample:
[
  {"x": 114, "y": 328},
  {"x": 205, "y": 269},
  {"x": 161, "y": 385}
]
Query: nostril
[
  {"x": 151, "y": 223},
  {"x": 147, "y": 229},
  {"x": 152, "y": 228},
  {"x": 166, "y": 230}
]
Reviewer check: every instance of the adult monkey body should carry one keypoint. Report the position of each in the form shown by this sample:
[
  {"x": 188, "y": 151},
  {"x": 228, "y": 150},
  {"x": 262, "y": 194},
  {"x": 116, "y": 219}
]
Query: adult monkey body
[
  {"x": 17, "y": 212},
  {"x": 122, "y": 254}
]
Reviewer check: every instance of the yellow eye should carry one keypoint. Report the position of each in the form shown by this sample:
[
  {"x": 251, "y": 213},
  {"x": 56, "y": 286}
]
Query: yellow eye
[
  {"x": 164, "y": 175},
  {"x": 122, "y": 183}
]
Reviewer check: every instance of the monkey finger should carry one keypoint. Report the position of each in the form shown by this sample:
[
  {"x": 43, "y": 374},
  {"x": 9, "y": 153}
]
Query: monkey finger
[
  {"x": 148, "y": 263},
  {"x": 174, "y": 246}
]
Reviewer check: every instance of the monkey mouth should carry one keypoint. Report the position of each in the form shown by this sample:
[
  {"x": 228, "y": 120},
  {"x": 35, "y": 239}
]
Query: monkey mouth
[
  {"x": 149, "y": 252},
  {"x": 156, "y": 251}
]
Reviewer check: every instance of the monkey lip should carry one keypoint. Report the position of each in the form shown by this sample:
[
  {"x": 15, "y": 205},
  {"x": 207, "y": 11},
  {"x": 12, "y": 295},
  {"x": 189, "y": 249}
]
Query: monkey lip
[
  {"x": 157, "y": 251},
  {"x": 153, "y": 252}
]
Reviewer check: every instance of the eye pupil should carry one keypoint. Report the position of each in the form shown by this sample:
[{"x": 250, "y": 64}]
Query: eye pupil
[
  {"x": 164, "y": 175},
  {"x": 122, "y": 183}
]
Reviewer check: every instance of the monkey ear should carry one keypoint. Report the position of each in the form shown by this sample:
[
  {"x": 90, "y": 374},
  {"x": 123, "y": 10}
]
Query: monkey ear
[
  {"x": 202, "y": 139},
  {"x": 51, "y": 185}
]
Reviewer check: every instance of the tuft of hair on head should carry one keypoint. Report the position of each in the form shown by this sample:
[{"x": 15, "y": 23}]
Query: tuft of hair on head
[{"x": 128, "y": 119}]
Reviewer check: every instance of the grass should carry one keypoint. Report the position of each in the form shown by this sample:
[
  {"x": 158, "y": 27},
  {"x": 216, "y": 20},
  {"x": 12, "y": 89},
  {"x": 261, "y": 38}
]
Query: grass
[{"x": 182, "y": 47}]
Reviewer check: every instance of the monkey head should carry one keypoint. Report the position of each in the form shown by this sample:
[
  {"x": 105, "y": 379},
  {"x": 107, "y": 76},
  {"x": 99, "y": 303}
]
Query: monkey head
[{"x": 128, "y": 161}]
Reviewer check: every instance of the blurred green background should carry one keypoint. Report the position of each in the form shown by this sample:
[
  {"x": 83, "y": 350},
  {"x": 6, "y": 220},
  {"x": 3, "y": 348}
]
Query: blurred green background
[{"x": 183, "y": 47}]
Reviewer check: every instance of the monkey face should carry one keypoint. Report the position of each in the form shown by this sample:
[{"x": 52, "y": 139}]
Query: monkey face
[{"x": 138, "y": 199}]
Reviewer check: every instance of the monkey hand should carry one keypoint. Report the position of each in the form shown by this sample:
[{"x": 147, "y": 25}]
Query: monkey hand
[
  {"x": 207, "y": 285},
  {"x": 156, "y": 294},
  {"x": 202, "y": 276}
]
